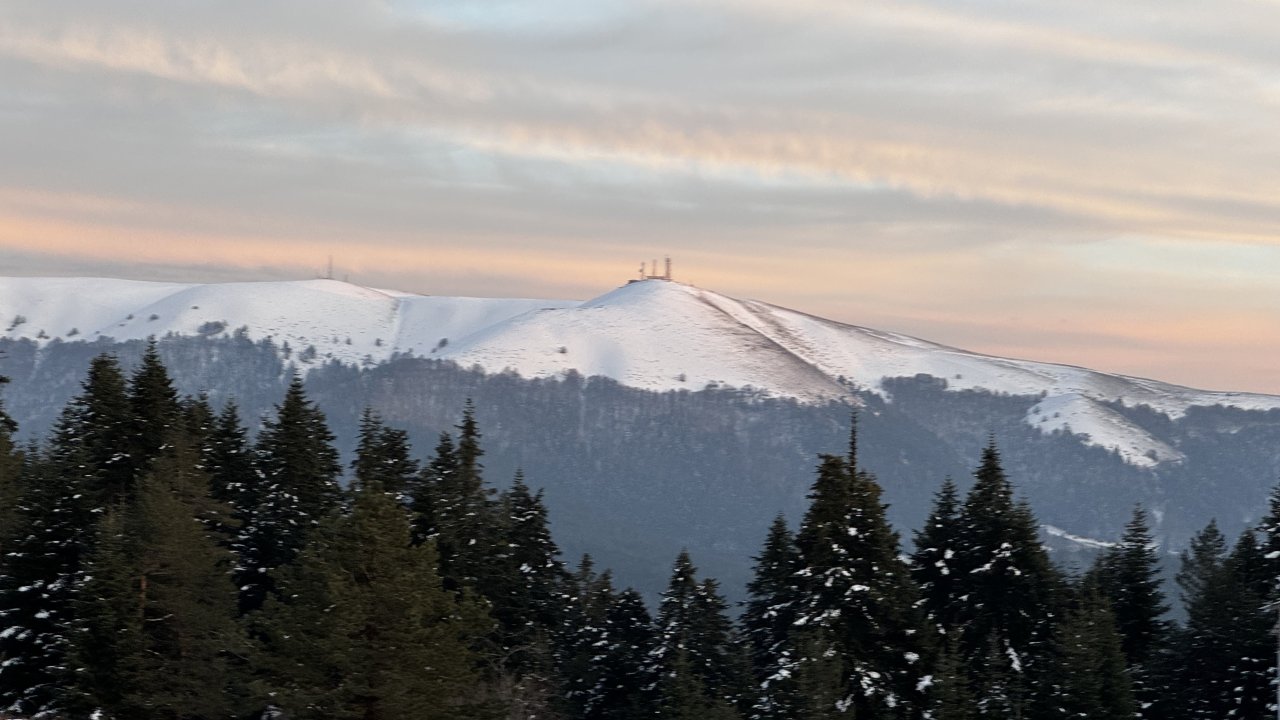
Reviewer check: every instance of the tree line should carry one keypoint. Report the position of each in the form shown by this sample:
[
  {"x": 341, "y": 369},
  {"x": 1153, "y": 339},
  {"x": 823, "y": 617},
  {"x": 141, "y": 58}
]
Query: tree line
[{"x": 159, "y": 561}]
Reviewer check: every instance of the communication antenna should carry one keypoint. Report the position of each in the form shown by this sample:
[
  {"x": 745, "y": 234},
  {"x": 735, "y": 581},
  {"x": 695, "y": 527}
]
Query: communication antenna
[
  {"x": 329, "y": 275},
  {"x": 668, "y": 275}
]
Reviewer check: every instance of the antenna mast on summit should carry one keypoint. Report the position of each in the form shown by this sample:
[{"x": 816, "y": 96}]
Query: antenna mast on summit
[
  {"x": 329, "y": 275},
  {"x": 650, "y": 272}
]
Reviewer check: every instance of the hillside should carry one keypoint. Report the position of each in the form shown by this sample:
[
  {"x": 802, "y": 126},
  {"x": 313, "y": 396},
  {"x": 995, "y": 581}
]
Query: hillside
[{"x": 652, "y": 335}]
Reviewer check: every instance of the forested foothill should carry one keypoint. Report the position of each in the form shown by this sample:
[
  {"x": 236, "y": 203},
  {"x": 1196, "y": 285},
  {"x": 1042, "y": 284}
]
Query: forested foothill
[
  {"x": 634, "y": 476},
  {"x": 160, "y": 560}
]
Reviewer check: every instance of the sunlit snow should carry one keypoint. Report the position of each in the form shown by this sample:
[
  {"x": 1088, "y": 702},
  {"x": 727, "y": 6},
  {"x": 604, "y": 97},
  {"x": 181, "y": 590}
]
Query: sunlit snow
[{"x": 655, "y": 335}]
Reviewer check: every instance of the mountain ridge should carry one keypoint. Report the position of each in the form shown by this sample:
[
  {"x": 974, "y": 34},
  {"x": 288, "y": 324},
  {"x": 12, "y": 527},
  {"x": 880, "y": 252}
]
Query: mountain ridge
[{"x": 654, "y": 334}]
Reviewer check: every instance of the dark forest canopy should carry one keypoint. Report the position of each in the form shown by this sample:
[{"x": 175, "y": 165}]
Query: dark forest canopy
[
  {"x": 162, "y": 561},
  {"x": 633, "y": 476}
]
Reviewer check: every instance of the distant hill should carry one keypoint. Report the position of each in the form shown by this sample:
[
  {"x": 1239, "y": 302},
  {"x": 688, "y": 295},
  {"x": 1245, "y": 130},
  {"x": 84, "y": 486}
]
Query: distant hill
[{"x": 660, "y": 415}]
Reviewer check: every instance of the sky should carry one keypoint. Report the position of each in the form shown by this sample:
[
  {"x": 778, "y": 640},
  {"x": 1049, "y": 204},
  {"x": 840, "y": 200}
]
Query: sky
[{"x": 1078, "y": 181}]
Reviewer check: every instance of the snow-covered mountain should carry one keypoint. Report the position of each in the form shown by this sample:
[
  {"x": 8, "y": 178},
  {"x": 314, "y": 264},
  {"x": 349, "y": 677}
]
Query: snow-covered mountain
[{"x": 655, "y": 335}]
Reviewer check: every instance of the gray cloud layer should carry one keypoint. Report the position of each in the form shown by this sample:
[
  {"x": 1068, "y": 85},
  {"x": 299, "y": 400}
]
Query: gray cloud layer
[{"x": 1082, "y": 181}]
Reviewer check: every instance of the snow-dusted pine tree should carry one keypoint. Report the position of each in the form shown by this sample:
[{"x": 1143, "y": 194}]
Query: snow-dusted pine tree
[
  {"x": 364, "y": 628},
  {"x": 296, "y": 489},
  {"x": 700, "y": 671},
  {"x": 933, "y": 561},
  {"x": 155, "y": 631},
  {"x": 1128, "y": 576},
  {"x": 1011, "y": 596},
  {"x": 856, "y": 614},
  {"x": 84, "y": 471},
  {"x": 767, "y": 624},
  {"x": 383, "y": 455},
  {"x": 1225, "y": 655}
]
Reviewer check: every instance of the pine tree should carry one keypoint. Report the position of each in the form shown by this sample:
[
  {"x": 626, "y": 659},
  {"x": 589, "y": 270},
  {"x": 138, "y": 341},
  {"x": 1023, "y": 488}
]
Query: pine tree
[
  {"x": 106, "y": 645},
  {"x": 1128, "y": 576},
  {"x": 1011, "y": 593},
  {"x": 383, "y": 456},
  {"x": 98, "y": 423},
  {"x": 933, "y": 562},
  {"x": 39, "y": 579},
  {"x": 156, "y": 626},
  {"x": 198, "y": 422},
  {"x": 1201, "y": 562},
  {"x": 948, "y": 687},
  {"x": 298, "y": 488},
  {"x": 701, "y": 675},
  {"x": 577, "y": 644},
  {"x": 1270, "y": 540},
  {"x": 426, "y": 494},
  {"x": 455, "y": 508},
  {"x": 1195, "y": 669},
  {"x": 625, "y": 683},
  {"x": 1094, "y": 682},
  {"x": 767, "y": 622},
  {"x": 465, "y": 514},
  {"x": 228, "y": 459},
  {"x": 364, "y": 628},
  {"x": 11, "y": 480},
  {"x": 528, "y": 597},
  {"x": 604, "y": 651},
  {"x": 1225, "y": 652},
  {"x": 85, "y": 469},
  {"x": 154, "y": 411},
  {"x": 856, "y": 594}
]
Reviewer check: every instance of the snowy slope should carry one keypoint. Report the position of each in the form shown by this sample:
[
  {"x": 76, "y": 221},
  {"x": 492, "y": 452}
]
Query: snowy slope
[
  {"x": 655, "y": 335},
  {"x": 342, "y": 321}
]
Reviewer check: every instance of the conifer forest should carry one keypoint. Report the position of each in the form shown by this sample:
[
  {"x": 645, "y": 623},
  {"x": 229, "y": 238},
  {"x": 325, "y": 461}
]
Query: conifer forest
[{"x": 163, "y": 561}]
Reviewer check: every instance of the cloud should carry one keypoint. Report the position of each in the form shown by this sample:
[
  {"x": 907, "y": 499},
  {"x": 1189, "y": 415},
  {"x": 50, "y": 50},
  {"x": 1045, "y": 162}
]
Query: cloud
[{"x": 922, "y": 165}]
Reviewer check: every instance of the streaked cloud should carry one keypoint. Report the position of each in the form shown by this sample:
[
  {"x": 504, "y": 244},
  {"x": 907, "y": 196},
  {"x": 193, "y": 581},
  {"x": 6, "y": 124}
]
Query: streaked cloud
[{"x": 1086, "y": 182}]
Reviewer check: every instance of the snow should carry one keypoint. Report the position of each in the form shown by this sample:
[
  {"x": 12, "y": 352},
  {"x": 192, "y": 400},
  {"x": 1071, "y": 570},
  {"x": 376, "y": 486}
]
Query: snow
[
  {"x": 1084, "y": 541},
  {"x": 654, "y": 335}
]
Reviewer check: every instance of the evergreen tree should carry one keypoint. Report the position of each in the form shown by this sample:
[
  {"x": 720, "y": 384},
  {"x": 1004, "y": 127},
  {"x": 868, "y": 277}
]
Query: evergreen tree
[
  {"x": 625, "y": 683},
  {"x": 83, "y": 472},
  {"x": 229, "y": 461},
  {"x": 934, "y": 561},
  {"x": 1270, "y": 541},
  {"x": 1011, "y": 595},
  {"x": 857, "y": 601},
  {"x": 465, "y": 515},
  {"x": 382, "y": 456},
  {"x": 604, "y": 651},
  {"x": 98, "y": 423},
  {"x": 948, "y": 687},
  {"x": 700, "y": 672},
  {"x": 198, "y": 422},
  {"x": 1128, "y": 576},
  {"x": 155, "y": 626},
  {"x": 1226, "y": 653},
  {"x": 1094, "y": 682},
  {"x": 455, "y": 508},
  {"x": 154, "y": 411},
  {"x": 298, "y": 488},
  {"x": 773, "y": 597},
  {"x": 528, "y": 598},
  {"x": 39, "y": 578},
  {"x": 364, "y": 628},
  {"x": 1201, "y": 562},
  {"x": 577, "y": 645},
  {"x": 426, "y": 495},
  {"x": 11, "y": 476}
]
